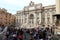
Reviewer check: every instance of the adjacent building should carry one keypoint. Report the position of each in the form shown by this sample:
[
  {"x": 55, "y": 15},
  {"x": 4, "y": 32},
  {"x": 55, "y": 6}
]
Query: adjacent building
[{"x": 5, "y": 17}]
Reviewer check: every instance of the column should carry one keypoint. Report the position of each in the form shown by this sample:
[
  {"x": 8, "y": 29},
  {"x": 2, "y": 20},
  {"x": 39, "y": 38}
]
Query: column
[
  {"x": 39, "y": 18},
  {"x": 34, "y": 19},
  {"x": 23, "y": 19},
  {"x": 45, "y": 19},
  {"x": 51, "y": 19},
  {"x": 27, "y": 18}
]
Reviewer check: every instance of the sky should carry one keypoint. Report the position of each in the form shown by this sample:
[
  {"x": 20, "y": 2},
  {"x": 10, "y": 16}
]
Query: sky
[{"x": 15, "y": 5}]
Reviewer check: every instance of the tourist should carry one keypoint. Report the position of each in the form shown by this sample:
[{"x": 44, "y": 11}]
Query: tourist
[{"x": 20, "y": 34}]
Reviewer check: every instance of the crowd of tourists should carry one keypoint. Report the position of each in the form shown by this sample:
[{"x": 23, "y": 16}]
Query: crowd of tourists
[{"x": 12, "y": 33}]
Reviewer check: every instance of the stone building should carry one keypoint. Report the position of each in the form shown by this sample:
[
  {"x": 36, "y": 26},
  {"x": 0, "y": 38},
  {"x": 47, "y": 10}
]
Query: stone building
[
  {"x": 36, "y": 15},
  {"x": 5, "y": 17}
]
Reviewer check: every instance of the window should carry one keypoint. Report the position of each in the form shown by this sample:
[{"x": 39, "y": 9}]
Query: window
[
  {"x": 6, "y": 22},
  {"x": 17, "y": 20}
]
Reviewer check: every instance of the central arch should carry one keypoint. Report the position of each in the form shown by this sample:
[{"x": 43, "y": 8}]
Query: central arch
[
  {"x": 31, "y": 20},
  {"x": 31, "y": 16}
]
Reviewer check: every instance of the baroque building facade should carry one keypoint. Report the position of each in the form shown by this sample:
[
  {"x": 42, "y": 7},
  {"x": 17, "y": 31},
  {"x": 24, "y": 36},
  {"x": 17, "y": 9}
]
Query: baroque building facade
[{"x": 36, "y": 15}]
